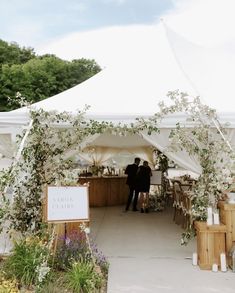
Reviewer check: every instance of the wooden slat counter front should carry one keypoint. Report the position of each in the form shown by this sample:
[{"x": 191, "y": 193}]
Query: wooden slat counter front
[{"x": 106, "y": 191}]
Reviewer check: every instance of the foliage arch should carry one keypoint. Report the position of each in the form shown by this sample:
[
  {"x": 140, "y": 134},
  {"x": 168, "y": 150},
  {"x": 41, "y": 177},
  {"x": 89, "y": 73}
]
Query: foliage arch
[{"x": 42, "y": 159}]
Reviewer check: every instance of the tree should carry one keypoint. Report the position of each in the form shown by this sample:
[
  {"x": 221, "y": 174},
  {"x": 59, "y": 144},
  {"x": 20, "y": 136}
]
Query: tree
[
  {"x": 38, "y": 77},
  {"x": 13, "y": 54}
]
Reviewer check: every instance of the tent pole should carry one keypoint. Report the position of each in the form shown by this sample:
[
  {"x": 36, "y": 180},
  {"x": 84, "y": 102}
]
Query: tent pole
[
  {"x": 23, "y": 141},
  {"x": 18, "y": 154}
]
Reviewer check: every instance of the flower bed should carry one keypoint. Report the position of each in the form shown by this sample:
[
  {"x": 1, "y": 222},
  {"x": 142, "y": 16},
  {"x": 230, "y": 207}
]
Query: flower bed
[{"x": 33, "y": 266}]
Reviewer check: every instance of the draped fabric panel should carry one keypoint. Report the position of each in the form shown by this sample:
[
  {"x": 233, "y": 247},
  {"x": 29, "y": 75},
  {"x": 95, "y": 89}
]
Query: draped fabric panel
[
  {"x": 75, "y": 149},
  {"x": 99, "y": 155},
  {"x": 230, "y": 135},
  {"x": 182, "y": 158},
  {"x": 144, "y": 153},
  {"x": 6, "y": 147}
]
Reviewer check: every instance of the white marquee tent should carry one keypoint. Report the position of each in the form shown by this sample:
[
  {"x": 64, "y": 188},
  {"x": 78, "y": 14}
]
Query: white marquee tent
[{"x": 122, "y": 93}]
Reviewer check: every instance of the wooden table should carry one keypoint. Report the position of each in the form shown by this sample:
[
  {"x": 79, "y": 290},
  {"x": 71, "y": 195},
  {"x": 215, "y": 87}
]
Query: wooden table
[
  {"x": 210, "y": 244},
  {"x": 106, "y": 191}
]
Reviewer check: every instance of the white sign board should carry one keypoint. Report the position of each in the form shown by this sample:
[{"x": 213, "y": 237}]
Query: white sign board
[
  {"x": 156, "y": 178},
  {"x": 67, "y": 204}
]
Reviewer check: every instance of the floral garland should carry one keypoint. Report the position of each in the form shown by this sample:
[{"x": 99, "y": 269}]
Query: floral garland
[
  {"x": 205, "y": 142},
  {"x": 52, "y": 134},
  {"x": 43, "y": 163}
]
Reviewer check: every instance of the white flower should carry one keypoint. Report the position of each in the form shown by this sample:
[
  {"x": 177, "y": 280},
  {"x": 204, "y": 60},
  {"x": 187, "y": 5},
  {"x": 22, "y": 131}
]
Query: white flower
[
  {"x": 67, "y": 241},
  {"x": 42, "y": 270},
  {"x": 87, "y": 230},
  {"x": 33, "y": 226}
]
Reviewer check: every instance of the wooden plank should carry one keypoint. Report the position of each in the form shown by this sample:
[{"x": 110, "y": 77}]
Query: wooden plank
[
  {"x": 227, "y": 216},
  {"x": 203, "y": 227},
  {"x": 211, "y": 256},
  {"x": 106, "y": 191},
  {"x": 219, "y": 247},
  {"x": 233, "y": 225},
  {"x": 222, "y": 215},
  {"x": 113, "y": 192},
  {"x": 123, "y": 192},
  {"x": 70, "y": 228},
  {"x": 202, "y": 251},
  {"x": 226, "y": 206},
  {"x": 229, "y": 241},
  {"x": 210, "y": 244}
]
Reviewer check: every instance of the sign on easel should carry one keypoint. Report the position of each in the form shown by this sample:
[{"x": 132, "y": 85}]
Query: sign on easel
[{"x": 67, "y": 204}]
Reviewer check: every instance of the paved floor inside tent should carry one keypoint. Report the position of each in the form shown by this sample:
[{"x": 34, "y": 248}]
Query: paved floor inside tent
[{"x": 145, "y": 254}]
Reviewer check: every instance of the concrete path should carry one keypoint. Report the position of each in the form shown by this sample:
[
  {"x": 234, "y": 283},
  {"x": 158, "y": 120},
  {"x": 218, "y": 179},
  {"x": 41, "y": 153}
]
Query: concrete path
[{"x": 145, "y": 254}]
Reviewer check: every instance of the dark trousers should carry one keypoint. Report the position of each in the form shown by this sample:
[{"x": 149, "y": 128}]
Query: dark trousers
[{"x": 133, "y": 193}]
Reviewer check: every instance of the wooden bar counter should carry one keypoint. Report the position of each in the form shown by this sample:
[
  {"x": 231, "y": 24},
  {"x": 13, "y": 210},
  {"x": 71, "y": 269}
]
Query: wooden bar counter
[{"x": 106, "y": 191}]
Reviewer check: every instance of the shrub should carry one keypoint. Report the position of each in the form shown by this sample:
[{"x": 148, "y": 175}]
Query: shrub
[
  {"x": 74, "y": 247},
  {"x": 8, "y": 286},
  {"x": 71, "y": 249},
  {"x": 100, "y": 259},
  {"x": 27, "y": 263},
  {"x": 55, "y": 283},
  {"x": 83, "y": 277}
]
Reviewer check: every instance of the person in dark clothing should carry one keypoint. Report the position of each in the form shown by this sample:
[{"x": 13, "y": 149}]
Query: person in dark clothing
[
  {"x": 143, "y": 185},
  {"x": 131, "y": 182}
]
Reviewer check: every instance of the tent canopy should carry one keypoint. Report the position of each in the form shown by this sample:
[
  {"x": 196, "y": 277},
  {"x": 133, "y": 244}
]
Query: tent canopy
[
  {"x": 126, "y": 91},
  {"x": 138, "y": 83}
]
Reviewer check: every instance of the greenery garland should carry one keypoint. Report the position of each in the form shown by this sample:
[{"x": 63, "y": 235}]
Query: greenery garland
[
  {"x": 52, "y": 134},
  {"x": 43, "y": 163},
  {"x": 204, "y": 141}
]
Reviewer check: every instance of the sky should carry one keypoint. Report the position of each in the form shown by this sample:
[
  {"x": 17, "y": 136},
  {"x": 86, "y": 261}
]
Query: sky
[
  {"x": 31, "y": 22},
  {"x": 130, "y": 33},
  {"x": 56, "y": 26}
]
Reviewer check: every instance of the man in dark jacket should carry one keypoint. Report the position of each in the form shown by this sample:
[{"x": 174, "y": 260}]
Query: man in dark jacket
[{"x": 131, "y": 182}]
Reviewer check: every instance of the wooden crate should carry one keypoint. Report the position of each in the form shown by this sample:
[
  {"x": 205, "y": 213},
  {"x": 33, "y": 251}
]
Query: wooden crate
[
  {"x": 227, "y": 217},
  {"x": 210, "y": 244}
]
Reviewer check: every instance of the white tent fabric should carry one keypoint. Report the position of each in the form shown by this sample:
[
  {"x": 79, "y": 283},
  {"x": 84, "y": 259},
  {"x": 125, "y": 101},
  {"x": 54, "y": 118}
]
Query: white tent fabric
[
  {"x": 161, "y": 142},
  {"x": 122, "y": 93},
  {"x": 104, "y": 146},
  {"x": 210, "y": 71},
  {"x": 132, "y": 87},
  {"x": 99, "y": 155},
  {"x": 6, "y": 148}
]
